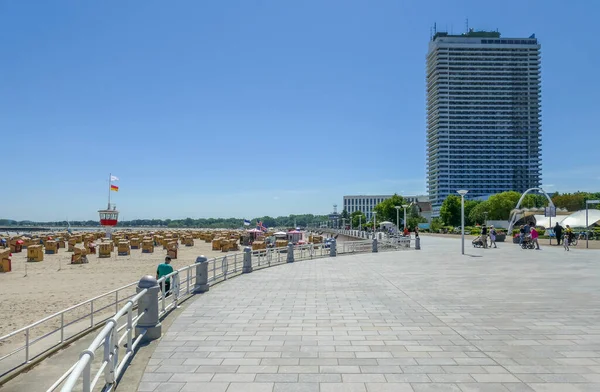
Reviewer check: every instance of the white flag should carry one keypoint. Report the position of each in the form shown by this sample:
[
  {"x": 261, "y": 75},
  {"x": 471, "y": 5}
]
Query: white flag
[{"x": 114, "y": 178}]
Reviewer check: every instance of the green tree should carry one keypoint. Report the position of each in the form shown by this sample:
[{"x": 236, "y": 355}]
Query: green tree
[
  {"x": 477, "y": 213},
  {"x": 358, "y": 218},
  {"x": 501, "y": 204},
  {"x": 386, "y": 210},
  {"x": 436, "y": 225},
  {"x": 450, "y": 211},
  {"x": 571, "y": 201},
  {"x": 414, "y": 221},
  {"x": 344, "y": 214},
  {"x": 470, "y": 206}
]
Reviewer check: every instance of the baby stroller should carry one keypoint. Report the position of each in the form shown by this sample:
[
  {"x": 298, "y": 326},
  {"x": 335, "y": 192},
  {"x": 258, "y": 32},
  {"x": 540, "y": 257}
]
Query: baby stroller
[
  {"x": 477, "y": 242},
  {"x": 527, "y": 242}
]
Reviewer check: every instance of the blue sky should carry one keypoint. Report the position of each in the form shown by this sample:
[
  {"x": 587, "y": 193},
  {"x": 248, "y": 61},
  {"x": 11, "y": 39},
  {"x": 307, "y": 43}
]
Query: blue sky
[{"x": 247, "y": 108}]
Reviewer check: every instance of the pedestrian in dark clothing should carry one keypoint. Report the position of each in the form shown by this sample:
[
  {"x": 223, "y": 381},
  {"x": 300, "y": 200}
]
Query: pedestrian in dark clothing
[{"x": 558, "y": 230}]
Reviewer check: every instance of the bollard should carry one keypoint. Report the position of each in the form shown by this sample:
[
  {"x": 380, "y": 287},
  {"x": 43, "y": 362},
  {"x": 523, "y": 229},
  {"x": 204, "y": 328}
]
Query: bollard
[
  {"x": 417, "y": 243},
  {"x": 290, "y": 253},
  {"x": 148, "y": 305},
  {"x": 201, "y": 284},
  {"x": 333, "y": 248},
  {"x": 374, "y": 245},
  {"x": 247, "y": 268}
]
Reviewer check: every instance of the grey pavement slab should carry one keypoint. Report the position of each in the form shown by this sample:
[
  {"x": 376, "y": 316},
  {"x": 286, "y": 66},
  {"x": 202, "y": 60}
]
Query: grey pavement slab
[{"x": 501, "y": 319}]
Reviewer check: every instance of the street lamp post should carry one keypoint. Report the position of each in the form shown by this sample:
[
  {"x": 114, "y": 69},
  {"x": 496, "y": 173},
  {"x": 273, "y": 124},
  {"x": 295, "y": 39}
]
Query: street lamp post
[
  {"x": 360, "y": 222},
  {"x": 405, "y": 206},
  {"x": 343, "y": 223},
  {"x": 587, "y": 225},
  {"x": 485, "y": 214},
  {"x": 397, "y": 219},
  {"x": 374, "y": 222},
  {"x": 462, "y": 193}
]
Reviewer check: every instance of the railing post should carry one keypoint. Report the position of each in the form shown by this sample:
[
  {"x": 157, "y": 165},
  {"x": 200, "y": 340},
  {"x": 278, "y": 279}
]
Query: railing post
[
  {"x": 148, "y": 305},
  {"x": 375, "y": 245},
  {"x": 201, "y": 285},
  {"x": 333, "y": 248},
  {"x": 62, "y": 327},
  {"x": 129, "y": 330},
  {"x": 187, "y": 279},
  {"x": 109, "y": 368},
  {"x": 417, "y": 243},
  {"x": 290, "y": 253},
  {"x": 27, "y": 345},
  {"x": 86, "y": 376},
  {"x": 175, "y": 289},
  {"x": 247, "y": 267}
]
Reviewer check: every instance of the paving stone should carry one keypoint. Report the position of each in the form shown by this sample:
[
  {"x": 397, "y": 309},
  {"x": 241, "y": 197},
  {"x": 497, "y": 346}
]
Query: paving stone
[
  {"x": 250, "y": 387},
  {"x": 205, "y": 387},
  {"x": 431, "y": 320},
  {"x": 343, "y": 387},
  {"x": 297, "y": 387}
]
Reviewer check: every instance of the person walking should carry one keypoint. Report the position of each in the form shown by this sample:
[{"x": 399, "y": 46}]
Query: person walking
[
  {"x": 493, "y": 236},
  {"x": 569, "y": 234},
  {"x": 484, "y": 233},
  {"x": 558, "y": 230},
  {"x": 566, "y": 241},
  {"x": 534, "y": 236},
  {"x": 521, "y": 234},
  {"x": 165, "y": 269}
]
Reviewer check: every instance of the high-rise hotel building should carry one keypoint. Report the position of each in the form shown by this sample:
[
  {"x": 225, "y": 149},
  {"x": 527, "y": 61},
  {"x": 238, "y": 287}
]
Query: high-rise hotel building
[{"x": 483, "y": 114}]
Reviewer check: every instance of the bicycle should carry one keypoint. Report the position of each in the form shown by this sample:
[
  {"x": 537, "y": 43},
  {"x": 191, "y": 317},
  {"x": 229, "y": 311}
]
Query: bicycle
[{"x": 589, "y": 235}]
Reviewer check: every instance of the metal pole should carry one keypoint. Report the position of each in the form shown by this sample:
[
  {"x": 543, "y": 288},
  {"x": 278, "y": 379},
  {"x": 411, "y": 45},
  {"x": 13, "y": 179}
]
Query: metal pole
[
  {"x": 374, "y": 222},
  {"x": 109, "y": 177},
  {"x": 462, "y": 222},
  {"x": 397, "y": 220},
  {"x": 405, "y": 217},
  {"x": 549, "y": 237},
  {"x": 586, "y": 225},
  {"x": 360, "y": 222}
]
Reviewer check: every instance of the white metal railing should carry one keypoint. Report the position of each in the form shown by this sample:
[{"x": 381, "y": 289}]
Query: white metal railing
[
  {"x": 108, "y": 338},
  {"x": 183, "y": 280},
  {"x": 29, "y": 342}
]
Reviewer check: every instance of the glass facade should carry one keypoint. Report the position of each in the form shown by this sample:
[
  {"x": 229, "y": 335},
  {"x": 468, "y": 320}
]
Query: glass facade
[{"x": 483, "y": 116}]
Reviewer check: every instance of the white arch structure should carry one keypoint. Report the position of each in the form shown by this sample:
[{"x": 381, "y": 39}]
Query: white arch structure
[{"x": 513, "y": 215}]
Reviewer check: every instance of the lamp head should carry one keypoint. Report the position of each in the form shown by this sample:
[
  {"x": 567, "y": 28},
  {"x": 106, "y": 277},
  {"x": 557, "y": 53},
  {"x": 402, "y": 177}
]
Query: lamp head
[
  {"x": 405, "y": 205},
  {"x": 398, "y": 207},
  {"x": 462, "y": 192}
]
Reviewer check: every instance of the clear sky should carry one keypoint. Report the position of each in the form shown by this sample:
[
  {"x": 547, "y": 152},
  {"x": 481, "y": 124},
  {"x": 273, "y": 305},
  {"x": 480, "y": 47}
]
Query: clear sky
[{"x": 256, "y": 107}]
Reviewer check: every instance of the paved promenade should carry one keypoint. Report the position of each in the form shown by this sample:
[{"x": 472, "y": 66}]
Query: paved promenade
[{"x": 433, "y": 320}]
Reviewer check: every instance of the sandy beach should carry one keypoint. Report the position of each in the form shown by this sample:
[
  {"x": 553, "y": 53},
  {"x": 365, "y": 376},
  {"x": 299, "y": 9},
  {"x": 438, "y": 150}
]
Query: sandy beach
[{"x": 54, "y": 284}]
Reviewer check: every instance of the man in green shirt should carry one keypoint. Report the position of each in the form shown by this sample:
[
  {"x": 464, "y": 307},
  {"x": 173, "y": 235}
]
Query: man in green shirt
[{"x": 165, "y": 269}]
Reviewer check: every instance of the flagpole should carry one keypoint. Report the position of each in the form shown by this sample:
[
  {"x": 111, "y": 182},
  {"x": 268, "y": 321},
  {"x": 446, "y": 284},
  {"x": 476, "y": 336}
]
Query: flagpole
[{"x": 109, "y": 182}]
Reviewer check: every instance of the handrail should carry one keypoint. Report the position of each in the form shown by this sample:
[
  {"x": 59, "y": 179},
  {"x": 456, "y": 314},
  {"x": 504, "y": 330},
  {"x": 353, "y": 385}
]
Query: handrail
[
  {"x": 107, "y": 338},
  {"x": 35, "y": 324}
]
